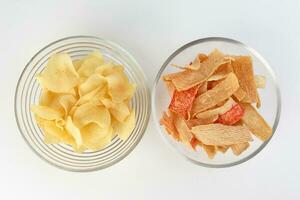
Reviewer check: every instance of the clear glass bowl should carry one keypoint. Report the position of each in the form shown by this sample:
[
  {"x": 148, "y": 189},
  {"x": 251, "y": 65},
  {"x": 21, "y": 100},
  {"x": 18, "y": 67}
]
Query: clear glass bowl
[
  {"x": 270, "y": 98},
  {"x": 28, "y": 92}
]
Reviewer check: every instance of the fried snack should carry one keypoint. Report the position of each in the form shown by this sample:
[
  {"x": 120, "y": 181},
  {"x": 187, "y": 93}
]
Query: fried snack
[
  {"x": 190, "y": 78},
  {"x": 211, "y": 104},
  {"x": 210, "y": 150},
  {"x": 60, "y": 75},
  {"x": 237, "y": 149},
  {"x": 256, "y": 123},
  {"x": 181, "y": 102},
  {"x": 223, "y": 148},
  {"x": 260, "y": 81},
  {"x": 84, "y": 103},
  {"x": 170, "y": 87},
  {"x": 196, "y": 64},
  {"x": 242, "y": 67},
  {"x": 218, "y": 134},
  {"x": 215, "y": 112},
  {"x": 231, "y": 116},
  {"x": 239, "y": 94},
  {"x": 168, "y": 122},
  {"x": 185, "y": 133},
  {"x": 219, "y": 93}
]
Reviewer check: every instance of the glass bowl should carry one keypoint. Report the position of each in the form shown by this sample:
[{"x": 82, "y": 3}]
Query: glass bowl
[
  {"x": 28, "y": 92},
  {"x": 270, "y": 98}
]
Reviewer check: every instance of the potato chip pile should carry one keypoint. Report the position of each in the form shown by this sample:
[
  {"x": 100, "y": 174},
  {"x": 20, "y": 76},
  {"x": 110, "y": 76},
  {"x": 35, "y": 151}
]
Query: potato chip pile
[
  {"x": 84, "y": 103},
  {"x": 211, "y": 104}
]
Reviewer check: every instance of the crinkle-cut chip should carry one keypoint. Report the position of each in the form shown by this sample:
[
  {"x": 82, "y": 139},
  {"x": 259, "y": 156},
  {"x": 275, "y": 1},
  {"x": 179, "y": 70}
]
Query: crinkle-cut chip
[
  {"x": 46, "y": 112},
  {"x": 87, "y": 113},
  {"x": 242, "y": 67},
  {"x": 231, "y": 116},
  {"x": 182, "y": 101},
  {"x": 90, "y": 63},
  {"x": 215, "y": 112},
  {"x": 190, "y": 78},
  {"x": 168, "y": 122},
  {"x": 170, "y": 87},
  {"x": 260, "y": 81},
  {"x": 210, "y": 150},
  {"x": 237, "y": 149},
  {"x": 223, "y": 148},
  {"x": 218, "y": 94},
  {"x": 185, "y": 133},
  {"x": 239, "y": 94},
  {"x": 77, "y": 64},
  {"x": 202, "y": 89},
  {"x": 120, "y": 111},
  {"x": 119, "y": 87},
  {"x": 196, "y": 64},
  {"x": 59, "y": 75},
  {"x": 73, "y": 131},
  {"x": 67, "y": 102},
  {"x": 218, "y": 134},
  {"x": 125, "y": 128},
  {"x": 92, "y": 82},
  {"x": 256, "y": 123},
  {"x": 95, "y": 137}
]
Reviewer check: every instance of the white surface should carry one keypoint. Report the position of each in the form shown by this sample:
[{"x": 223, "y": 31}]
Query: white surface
[{"x": 151, "y": 31}]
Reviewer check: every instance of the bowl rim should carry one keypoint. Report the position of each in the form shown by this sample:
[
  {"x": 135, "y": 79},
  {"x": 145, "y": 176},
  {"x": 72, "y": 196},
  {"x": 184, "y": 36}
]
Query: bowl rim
[
  {"x": 148, "y": 97},
  {"x": 240, "y": 44}
]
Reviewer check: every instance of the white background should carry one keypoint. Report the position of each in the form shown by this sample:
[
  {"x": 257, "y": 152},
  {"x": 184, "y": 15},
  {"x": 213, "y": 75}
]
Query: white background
[{"x": 151, "y": 30}]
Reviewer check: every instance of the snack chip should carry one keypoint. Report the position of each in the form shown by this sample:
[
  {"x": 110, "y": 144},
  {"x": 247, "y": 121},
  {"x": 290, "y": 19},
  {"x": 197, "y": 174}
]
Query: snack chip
[
  {"x": 209, "y": 108},
  {"x": 219, "y": 93},
  {"x": 260, "y": 81},
  {"x": 181, "y": 102},
  {"x": 219, "y": 135},
  {"x": 190, "y": 78},
  {"x": 59, "y": 76},
  {"x": 254, "y": 121},
  {"x": 237, "y": 149},
  {"x": 79, "y": 100},
  {"x": 242, "y": 67}
]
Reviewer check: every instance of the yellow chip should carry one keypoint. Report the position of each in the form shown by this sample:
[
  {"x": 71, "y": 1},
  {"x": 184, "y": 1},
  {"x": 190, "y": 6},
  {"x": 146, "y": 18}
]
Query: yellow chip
[
  {"x": 91, "y": 83},
  {"x": 120, "y": 111},
  {"x": 45, "y": 112},
  {"x": 77, "y": 64},
  {"x": 119, "y": 87},
  {"x": 90, "y": 63},
  {"x": 73, "y": 131},
  {"x": 125, "y": 128},
  {"x": 59, "y": 75},
  {"x": 88, "y": 113},
  {"x": 96, "y": 137}
]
